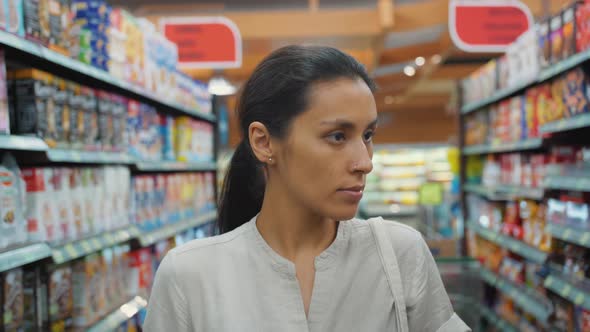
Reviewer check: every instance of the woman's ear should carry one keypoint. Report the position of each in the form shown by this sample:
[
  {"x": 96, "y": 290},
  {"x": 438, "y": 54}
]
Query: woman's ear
[{"x": 260, "y": 141}]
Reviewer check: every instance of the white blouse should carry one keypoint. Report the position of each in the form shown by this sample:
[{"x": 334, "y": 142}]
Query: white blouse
[{"x": 236, "y": 282}]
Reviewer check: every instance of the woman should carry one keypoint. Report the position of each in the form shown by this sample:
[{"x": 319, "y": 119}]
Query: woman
[{"x": 287, "y": 260}]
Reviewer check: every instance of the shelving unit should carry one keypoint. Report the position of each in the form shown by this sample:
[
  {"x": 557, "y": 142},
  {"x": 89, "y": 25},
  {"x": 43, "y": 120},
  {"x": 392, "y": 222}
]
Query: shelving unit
[
  {"x": 119, "y": 316},
  {"x": 523, "y": 297},
  {"x": 568, "y": 290},
  {"x": 24, "y": 255},
  {"x": 76, "y": 249},
  {"x": 518, "y": 247},
  {"x": 166, "y": 166},
  {"x": 59, "y": 63},
  {"x": 552, "y": 71},
  {"x": 565, "y": 182},
  {"x": 530, "y": 144},
  {"x": 496, "y": 321},
  {"x": 570, "y": 234},
  {"x": 504, "y": 192},
  {"x": 150, "y": 237}
]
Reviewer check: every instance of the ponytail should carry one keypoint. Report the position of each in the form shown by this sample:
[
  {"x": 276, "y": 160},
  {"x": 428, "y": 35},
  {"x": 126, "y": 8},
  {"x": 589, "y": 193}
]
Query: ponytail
[{"x": 243, "y": 189}]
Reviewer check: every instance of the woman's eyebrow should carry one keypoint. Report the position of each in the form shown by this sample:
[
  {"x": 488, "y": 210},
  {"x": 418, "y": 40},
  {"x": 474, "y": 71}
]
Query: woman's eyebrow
[{"x": 345, "y": 123}]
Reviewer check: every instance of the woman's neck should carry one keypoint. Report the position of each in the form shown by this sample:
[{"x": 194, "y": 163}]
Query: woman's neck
[{"x": 292, "y": 230}]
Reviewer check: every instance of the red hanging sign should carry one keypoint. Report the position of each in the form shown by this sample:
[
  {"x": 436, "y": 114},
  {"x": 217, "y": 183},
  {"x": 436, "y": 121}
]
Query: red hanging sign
[
  {"x": 204, "y": 42},
  {"x": 487, "y": 25}
]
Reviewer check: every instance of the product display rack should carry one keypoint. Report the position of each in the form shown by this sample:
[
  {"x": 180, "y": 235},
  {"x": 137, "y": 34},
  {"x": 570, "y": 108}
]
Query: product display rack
[
  {"x": 557, "y": 290},
  {"x": 44, "y": 256},
  {"x": 119, "y": 316},
  {"x": 546, "y": 74},
  {"x": 518, "y": 247},
  {"x": 60, "y": 64}
]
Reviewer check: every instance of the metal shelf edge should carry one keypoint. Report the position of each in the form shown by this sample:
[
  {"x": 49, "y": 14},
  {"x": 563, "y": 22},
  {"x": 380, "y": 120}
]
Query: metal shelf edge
[
  {"x": 124, "y": 313},
  {"x": 17, "y": 257}
]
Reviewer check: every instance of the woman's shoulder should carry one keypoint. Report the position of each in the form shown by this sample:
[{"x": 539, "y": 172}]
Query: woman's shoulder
[
  {"x": 202, "y": 251},
  {"x": 401, "y": 235}
]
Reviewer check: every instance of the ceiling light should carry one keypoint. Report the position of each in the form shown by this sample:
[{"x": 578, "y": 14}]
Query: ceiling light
[
  {"x": 436, "y": 59},
  {"x": 389, "y": 100},
  {"x": 409, "y": 71},
  {"x": 219, "y": 86},
  {"x": 420, "y": 61}
]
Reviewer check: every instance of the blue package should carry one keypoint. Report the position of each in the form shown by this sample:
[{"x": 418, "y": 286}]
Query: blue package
[{"x": 167, "y": 128}]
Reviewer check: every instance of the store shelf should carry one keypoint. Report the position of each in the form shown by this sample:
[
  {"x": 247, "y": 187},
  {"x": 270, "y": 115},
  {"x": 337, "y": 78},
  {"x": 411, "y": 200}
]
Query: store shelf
[
  {"x": 523, "y": 297},
  {"x": 496, "y": 321},
  {"x": 121, "y": 315},
  {"x": 87, "y": 157},
  {"x": 24, "y": 143},
  {"x": 80, "y": 248},
  {"x": 565, "y": 65},
  {"x": 567, "y": 183},
  {"x": 494, "y": 98},
  {"x": 150, "y": 237},
  {"x": 518, "y": 247},
  {"x": 54, "y": 58},
  {"x": 576, "y": 122},
  {"x": 504, "y": 192},
  {"x": 168, "y": 166},
  {"x": 546, "y": 74},
  {"x": 567, "y": 290},
  {"x": 14, "y": 258},
  {"x": 569, "y": 234},
  {"x": 530, "y": 144}
]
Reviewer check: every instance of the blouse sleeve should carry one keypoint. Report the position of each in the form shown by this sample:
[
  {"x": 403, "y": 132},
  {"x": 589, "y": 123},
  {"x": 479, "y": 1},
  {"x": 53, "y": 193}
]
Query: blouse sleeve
[
  {"x": 167, "y": 306},
  {"x": 431, "y": 309}
]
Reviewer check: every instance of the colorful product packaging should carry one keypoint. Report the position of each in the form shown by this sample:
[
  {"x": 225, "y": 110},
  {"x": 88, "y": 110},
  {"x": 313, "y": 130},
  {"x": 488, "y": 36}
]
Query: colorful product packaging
[
  {"x": 556, "y": 39},
  {"x": 11, "y": 300},
  {"x": 61, "y": 290}
]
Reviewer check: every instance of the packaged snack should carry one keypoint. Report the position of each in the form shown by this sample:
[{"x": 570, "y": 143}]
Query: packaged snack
[
  {"x": 4, "y": 111},
  {"x": 133, "y": 128},
  {"x": 12, "y": 300},
  {"x": 63, "y": 193},
  {"x": 556, "y": 39},
  {"x": 531, "y": 118},
  {"x": 90, "y": 108},
  {"x": 89, "y": 301},
  {"x": 544, "y": 43},
  {"x": 63, "y": 113},
  {"x": 582, "y": 319},
  {"x": 60, "y": 291},
  {"x": 569, "y": 32},
  {"x": 32, "y": 21},
  {"x": 564, "y": 314},
  {"x": 89, "y": 192},
  {"x": 544, "y": 103},
  {"x": 56, "y": 26},
  {"x": 15, "y": 17},
  {"x": 33, "y": 96},
  {"x": 44, "y": 21},
  {"x": 557, "y": 109},
  {"x": 105, "y": 120},
  {"x": 141, "y": 273},
  {"x": 12, "y": 222},
  {"x": 556, "y": 211},
  {"x": 35, "y": 299},
  {"x": 77, "y": 114},
  {"x": 575, "y": 90},
  {"x": 167, "y": 127},
  {"x": 119, "y": 137},
  {"x": 582, "y": 27}
]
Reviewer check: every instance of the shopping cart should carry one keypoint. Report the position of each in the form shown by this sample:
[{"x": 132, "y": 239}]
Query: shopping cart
[{"x": 464, "y": 286}]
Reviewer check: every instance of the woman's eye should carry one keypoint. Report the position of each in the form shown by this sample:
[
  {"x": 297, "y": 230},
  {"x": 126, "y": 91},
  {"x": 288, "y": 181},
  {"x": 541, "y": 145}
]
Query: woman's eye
[
  {"x": 368, "y": 136},
  {"x": 336, "y": 137}
]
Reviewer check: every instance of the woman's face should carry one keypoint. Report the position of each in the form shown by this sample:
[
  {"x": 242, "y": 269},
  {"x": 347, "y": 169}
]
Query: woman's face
[{"x": 327, "y": 153}]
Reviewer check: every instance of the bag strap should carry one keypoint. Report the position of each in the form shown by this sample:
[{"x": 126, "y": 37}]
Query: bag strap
[{"x": 389, "y": 261}]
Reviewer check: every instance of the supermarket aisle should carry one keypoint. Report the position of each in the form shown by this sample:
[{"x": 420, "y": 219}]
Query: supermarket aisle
[{"x": 527, "y": 175}]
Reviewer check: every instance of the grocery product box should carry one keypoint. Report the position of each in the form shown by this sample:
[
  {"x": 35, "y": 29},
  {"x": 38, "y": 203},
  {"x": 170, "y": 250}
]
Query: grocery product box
[
  {"x": 89, "y": 290},
  {"x": 4, "y": 108},
  {"x": 14, "y": 12},
  {"x": 33, "y": 98},
  {"x": 12, "y": 305},
  {"x": 60, "y": 292}
]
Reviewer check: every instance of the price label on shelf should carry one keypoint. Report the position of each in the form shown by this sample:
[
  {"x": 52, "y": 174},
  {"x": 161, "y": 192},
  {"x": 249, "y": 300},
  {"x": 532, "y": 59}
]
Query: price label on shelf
[
  {"x": 549, "y": 281},
  {"x": 567, "y": 234},
  {"x": 110, "y": 239},
  {"x": 58, "y": 255},
  {"x": 96, "y": 243},
  {"x": 579, "y": 299},
  {"x": 86, "y": 246},
  {"x": 585, "y": 239},
  {"x": 70, "y": 250},
  {"x": 566, "y": 291}
]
